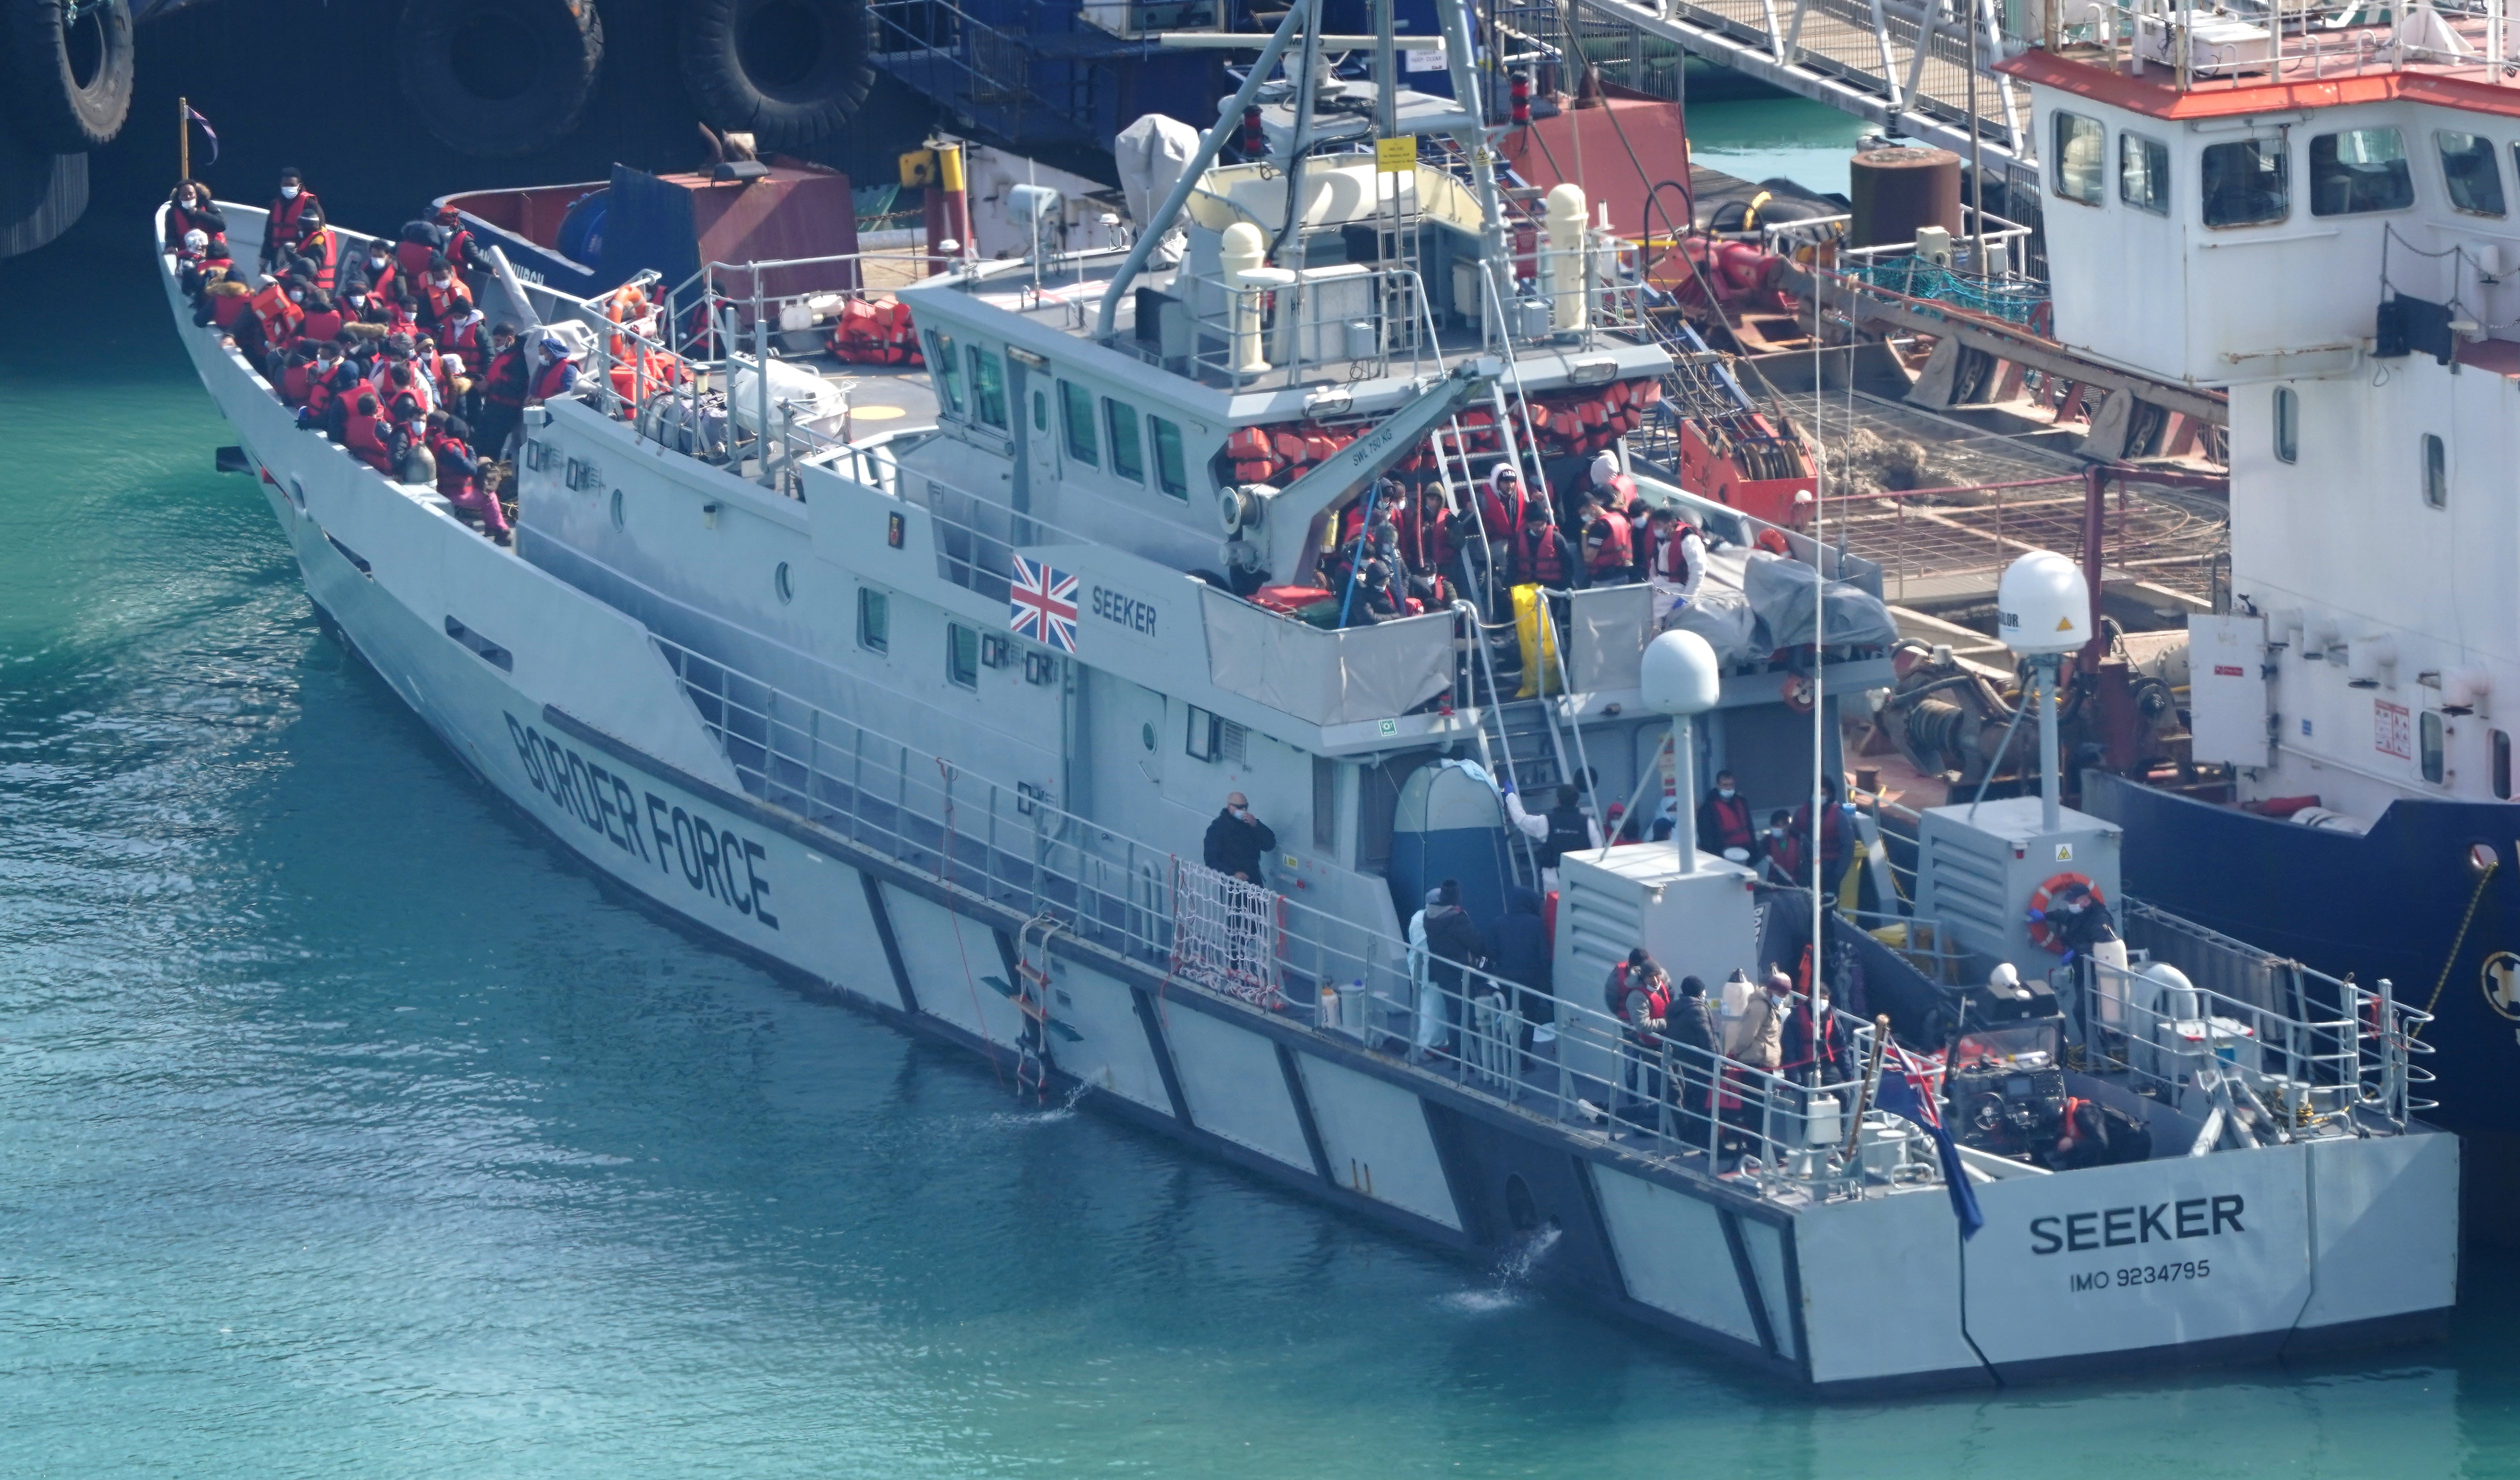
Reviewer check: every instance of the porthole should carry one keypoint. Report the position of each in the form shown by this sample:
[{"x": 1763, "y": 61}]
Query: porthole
[
  {"x": 620, "y": 516},
  {"x": 786, "y": 588},
  {"x": 1147, "y": 736}
]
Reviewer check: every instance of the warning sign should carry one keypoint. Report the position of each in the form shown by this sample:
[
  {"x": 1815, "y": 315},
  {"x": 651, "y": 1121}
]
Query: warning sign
[
  {"x": 1395, "y": 157},
  {"x": 2392, "y": 733}
]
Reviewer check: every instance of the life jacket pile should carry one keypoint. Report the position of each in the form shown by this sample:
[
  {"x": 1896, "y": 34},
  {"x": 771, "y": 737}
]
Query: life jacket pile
[{"x": 874, "y": 331}]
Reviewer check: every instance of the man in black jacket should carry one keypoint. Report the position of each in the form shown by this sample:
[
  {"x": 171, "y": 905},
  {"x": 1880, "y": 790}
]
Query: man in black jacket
[
  {"x": 1237, "y": 839},
  {"x": 1689, "y": 1033},
  {"x": 1452, "y": 943},
  {"x": 1516, "y": 943}
]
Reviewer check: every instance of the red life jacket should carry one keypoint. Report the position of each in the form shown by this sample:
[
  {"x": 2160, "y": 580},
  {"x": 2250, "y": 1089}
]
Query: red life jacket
[
  {"x": 450, "y": 482},
  {"x": 1540, "y": 559},
  {"x": 288, "y": 219},
  {"x": 413, "y": 259},
  {"x": 462, "y": 337},
  {"x": 280, "y": 317},
  {"x": 1734, "y": 828},
  {"x": 320, "y": 392},
  {"x": 365, "y": 436},
  {"x": 325, "y": 246},
  {"x": 503, "y": 383},
  {"x": 1667, "y": 560},
  {"x": 184, "y": 218},
  {"x": 437, "y": 303},
  {"x": 322, "y": 326},
  {"x": 551, "y": 382},
  {"x": 1615, "y": 553},
  {"x": 380, "y": 279},
  {"x": 296, "y": 381},
  {"x": 459, "y": 246},
  {"x": 227, "y": 308}
]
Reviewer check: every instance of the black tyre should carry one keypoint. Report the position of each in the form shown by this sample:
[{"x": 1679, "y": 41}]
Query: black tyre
[
  {"x": 788, "y": 72},
  {"x": 67, "y": 81},
  {"x": 500, "y": 77}
]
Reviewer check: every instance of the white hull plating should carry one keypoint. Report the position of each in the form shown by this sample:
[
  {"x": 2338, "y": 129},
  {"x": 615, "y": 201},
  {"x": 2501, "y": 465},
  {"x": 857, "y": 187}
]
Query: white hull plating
[{"x": 567, "y": 707}]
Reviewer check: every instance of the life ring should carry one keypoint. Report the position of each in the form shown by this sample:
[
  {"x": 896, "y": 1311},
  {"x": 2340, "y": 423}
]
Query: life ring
[
  {"x": 498, "y": 78},
  {"x": 1774, "y": 542},
  {"x": 1799, "y": 693},
  {"x": 2041, "y": 931},
  {"x": 791, "y": 72},
  {"x": 65, "y": 72}
]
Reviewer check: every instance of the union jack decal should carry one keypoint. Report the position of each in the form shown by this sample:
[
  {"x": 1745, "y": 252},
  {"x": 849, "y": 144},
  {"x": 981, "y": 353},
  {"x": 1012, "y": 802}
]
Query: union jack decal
[{"x": 1041, "y": 606}]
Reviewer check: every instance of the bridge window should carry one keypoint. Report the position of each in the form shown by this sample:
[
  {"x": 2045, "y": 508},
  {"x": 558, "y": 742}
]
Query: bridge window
[
  {"x": 1171, "y": 471},
  {"x": 2079, "y": 142},
  {"x": 2436, "y": 472},
  {"x": 2360, "y": 170},
  {"x": 988, "y": 388},
  {"x": 1127, "y": 451},
  {"x": 2475, "y": 181},
  {"x": 874, "y": 620},
  {"x": 949, "y": 375},
  {"x": 962, "y": 655},
  {"x": 2144, "y": 173},
  {"x": 2246, "y": 183},
  {"x": 2429, "y": 744},
  {"x": 1076, "y": 416},
  {"x": 2287, "y": 425}
]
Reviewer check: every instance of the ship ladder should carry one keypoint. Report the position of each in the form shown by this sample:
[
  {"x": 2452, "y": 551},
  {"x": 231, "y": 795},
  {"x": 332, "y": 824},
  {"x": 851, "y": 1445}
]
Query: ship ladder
[{"x": 1032, "y": 997}]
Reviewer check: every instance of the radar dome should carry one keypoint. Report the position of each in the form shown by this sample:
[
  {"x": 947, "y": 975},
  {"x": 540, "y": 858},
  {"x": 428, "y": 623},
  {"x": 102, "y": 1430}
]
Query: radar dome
[
  {"x": 2043, "y": 605},
  {"x": 1680, "y": 674}
]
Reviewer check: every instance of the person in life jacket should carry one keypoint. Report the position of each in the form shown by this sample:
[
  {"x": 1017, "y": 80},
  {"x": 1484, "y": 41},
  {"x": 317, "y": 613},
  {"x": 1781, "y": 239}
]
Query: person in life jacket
[
  {"x": 192, "y": 263},
  {"x": 557, "y": 376},
  {"x": 296, "y": 215},
  {"x": 1639, "y": 995},
  {"x": 296, "y": 376},
  {"x": 1674, "y": 553},
  {"x": 1819, "y": 1049},
  {"x": 1609, "y": 551},
  {"x": 503, "y": 385},
  {"x": 1780, "y": 852},
  {"x": 416, "y": 243},
  {"x": 1562, "y": 829},
  {"x": 278, "y": 316},
  {"x": 461, "y": 248},
  {"x": 465, "y": 337},
  {"x": 1541, "y": 553},
  {"x": 1616, "y": 488},
  {"x": 459, "y": 476},
  {"x": 226, "y": 300},
  {"x": 443, "y": 299},
  {"x": 328, "y": 377},
  {"x": 1375, "y": 584},
  {"x": 363, "y": 430},
  {"x": 407, "y": 444},
  {"x": 1502, "y": 505},
  {"x": 1724, "y": 820},
  {"x": 191, "y": 209},
  {"x": 403, "y": 378},
  {"x": 377, "y": 269},
  {"x": 323, "y": 319},
  {"x": 1836, "y": 831},
  {"x": 1426, "y": 534}
]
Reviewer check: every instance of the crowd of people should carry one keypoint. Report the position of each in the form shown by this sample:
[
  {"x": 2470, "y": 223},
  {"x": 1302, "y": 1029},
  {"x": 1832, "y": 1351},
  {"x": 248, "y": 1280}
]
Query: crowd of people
[
  {"x": 381, "y": 347},
  {"x": 1405, "y": 551}
]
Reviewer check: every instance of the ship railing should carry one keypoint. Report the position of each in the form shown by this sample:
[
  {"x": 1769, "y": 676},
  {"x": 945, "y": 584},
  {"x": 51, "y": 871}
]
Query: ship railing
[
  {"x": 1348, "y": 981},
  {"x": 1356, "y": 326},
  {"x": 2340, "y": 1061},
  {"x": 2185, "y": 46}
]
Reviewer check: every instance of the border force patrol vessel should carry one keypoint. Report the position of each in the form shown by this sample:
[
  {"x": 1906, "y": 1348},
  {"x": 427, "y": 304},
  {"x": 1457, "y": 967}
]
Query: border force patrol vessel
[{"x": 933, "y": 718}]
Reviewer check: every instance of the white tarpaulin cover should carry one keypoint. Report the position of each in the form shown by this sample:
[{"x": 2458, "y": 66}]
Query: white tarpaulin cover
[
  {"x": 1152, "y": 152},
  {"x": 1326, "y": 678}
]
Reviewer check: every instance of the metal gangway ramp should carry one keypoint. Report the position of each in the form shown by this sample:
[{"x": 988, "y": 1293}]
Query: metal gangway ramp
[{"x": 1898, "y": 63}]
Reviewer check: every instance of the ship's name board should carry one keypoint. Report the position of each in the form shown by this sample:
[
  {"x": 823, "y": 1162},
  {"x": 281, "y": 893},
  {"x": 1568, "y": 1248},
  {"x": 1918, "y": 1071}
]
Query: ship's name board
[
  {"x": 710, "y": 860},
  {"x": 1128, "y": 613},
  {"x": 2120, "y": 1227}
]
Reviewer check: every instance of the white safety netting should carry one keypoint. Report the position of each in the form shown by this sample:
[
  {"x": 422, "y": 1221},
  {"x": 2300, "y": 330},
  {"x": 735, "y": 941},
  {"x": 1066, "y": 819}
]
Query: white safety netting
[{"x": 1226, "y": 933}]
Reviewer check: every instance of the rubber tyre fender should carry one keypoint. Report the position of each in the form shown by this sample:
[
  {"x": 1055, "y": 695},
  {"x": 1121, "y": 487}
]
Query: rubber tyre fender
[
  {"x": 834, "y": 39},
  {"x": 39, "y": 82},
  {"x": 565, "y": 48}
]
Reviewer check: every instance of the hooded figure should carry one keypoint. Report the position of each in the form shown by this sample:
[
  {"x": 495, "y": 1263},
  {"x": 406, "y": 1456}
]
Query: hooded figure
[{"x": 1516, "y": 945}]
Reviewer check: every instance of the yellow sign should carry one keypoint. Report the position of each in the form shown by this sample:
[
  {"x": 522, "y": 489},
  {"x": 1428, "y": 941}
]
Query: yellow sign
[{"x": 1395, "y": 157}]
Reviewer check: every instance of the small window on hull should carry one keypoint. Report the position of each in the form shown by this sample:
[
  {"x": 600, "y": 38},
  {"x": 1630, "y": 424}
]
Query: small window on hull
[
  {"x": 2501, "y": 765},
  {"x": 2287, "y": 425},
  {"x": 874, "y": 620},
  {"x": 2436, "y": 472},
  {"x": 2430, "y": 745},
  {"x": 962, "y": 655}
]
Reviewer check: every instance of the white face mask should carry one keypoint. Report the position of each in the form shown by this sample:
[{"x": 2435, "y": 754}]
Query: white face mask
[
  {"x": 1725, "y": 792},
  {"x": 288, "y": 192}
]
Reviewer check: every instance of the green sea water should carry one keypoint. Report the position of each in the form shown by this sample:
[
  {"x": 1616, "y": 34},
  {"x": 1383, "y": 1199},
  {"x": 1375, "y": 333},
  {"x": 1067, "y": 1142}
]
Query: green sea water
[{"x": 348, "y": 1129}]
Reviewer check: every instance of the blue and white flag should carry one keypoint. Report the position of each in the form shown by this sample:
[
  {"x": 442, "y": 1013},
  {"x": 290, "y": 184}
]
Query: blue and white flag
[
  {"x": 193, "y": 115},
  {"x": 1908, "y": 1090}
]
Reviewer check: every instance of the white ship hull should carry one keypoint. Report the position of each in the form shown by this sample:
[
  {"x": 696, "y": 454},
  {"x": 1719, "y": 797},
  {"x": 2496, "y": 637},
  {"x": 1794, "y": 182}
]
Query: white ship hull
[{"x": 568, "y": 708}]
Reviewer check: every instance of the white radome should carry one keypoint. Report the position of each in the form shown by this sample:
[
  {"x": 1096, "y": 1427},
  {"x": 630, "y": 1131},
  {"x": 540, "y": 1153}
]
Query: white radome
[
  {"x": 1680, "y": 674},
  {"x": 2043, "y": 605}
]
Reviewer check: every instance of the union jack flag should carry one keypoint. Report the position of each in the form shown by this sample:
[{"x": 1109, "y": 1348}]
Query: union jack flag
[
  {"x": 1041, "y": 606},
  {"x": 1907, "y": 1089}
]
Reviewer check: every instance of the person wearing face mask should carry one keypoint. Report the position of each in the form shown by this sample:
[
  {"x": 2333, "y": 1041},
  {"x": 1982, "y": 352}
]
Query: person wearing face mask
[
  {"x": 329, "y": 380},
  {"x": 363, "y": 430},
  {"x": 459, "y": 476},
  {"x": 1236, "y": 840},
  {"x": 295, "y": 216},
  {"x": 376, "y": 268},
  {"x": 417, "y": 241},
  {"x": 1780, "y": 852},
  {"x": 1724, "y": 820},
  {"x": 191, "y": 209},
  {"x": 443, "y": 298},
  {"x": 502, "y": 388}
]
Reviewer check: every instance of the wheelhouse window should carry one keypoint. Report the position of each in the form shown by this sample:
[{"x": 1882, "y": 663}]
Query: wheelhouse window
[
  {"x": 874, "y": 620},
  {"x": 2501, "y": 765},
  {"x": 1172, "y": 473},
  {"x": 2469, "y": 171},
  {"x": 2429, "y": 745},
  {"x": 941, "y": 350},
  {"x": 962, "y": 655},
  {"x": 2436, "y": 472},
  {"x": 1076, "y": 417},
  {"x": 2357, "y": 171},
  {"x": 2079, "y": 142},
  {"x": 2287, "y": 425},
  {"x": 988, "y": 388},
  {"x": 1127, "y": 451},
  {"x": 2245, "y": 183},
  {"x": 2144, "y": 173}
]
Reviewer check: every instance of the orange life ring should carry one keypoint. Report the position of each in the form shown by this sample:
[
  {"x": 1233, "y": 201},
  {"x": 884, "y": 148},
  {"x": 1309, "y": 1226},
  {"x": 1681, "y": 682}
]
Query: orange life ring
[
  {"x": 2039, "y": 930},
  {"x": 1799, "y": 693}
]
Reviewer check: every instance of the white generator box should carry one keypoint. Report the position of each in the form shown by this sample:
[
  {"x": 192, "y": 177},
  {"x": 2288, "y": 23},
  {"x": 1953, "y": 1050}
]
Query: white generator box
[
  {"x": 2229, "y": 702},
  {"x": 1702, "y": 925},
  {"x": 1979, "y": 870},
  {"x": 1314, "y": 320}
]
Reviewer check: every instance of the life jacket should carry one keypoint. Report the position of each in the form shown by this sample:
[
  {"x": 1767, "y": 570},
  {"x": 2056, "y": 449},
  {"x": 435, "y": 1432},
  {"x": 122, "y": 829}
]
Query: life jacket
[
  {"x": 1615, "y": 553},
  {"x": 551, "y": 380},
  {"x": 380, "y": 279},
  {"x": 280, "y": 317},
  {"x": 1426, "y": 541},
  {"x": 503, "y": 382},
  {"x": 1657, "y": 1006},
  {"x": 285, "y": 215},
  {"x": 437, "y": 303},
  {"x": 321, "y": 326},
  {"x": 228, "y": 308},
  {"x": 365, "y": 436},
  {"x": 454, "y": 480},
  {"x": 325, "y": 246},
  {"x": 1569, "y": 831},
  {"x": 1666, "y": 561},
  {"x": 459, "y": 246},
  {"x": 296, "y": 381},
  {"x": 413, "y": 259},
  {"x": 1734, "y": 828},
  {"x": 462, "y": 337},
  {"x": 322, "y": 391},
  {"x": 1540, "y": 557},
  {"x": 184, "y": 218},
  {"x": 1787, "y": 851}
]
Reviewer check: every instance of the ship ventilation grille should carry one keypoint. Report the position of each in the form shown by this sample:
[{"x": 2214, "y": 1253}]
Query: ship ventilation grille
[{"x": 1230, "y": 740}]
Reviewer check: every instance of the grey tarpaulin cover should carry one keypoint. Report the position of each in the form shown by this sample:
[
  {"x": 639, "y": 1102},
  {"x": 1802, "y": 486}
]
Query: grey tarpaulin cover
[
  {"x": 1781, "y": 593},
  {"x": 1326, "y": 678},
  {"x": 1152, "y": 154}
]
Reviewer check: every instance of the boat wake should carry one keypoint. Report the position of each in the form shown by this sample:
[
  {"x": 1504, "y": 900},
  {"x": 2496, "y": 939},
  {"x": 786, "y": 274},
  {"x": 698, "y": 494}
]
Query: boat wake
[{"x": 1512, "y": 1276}]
